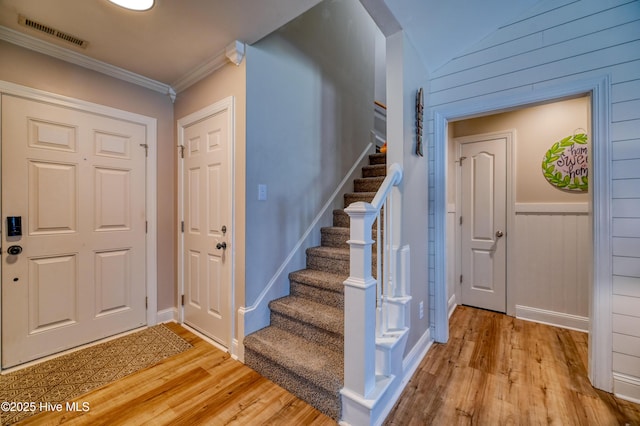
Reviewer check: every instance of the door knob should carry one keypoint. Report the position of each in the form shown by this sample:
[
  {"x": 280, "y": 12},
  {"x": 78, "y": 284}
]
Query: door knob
[
  {"x": 221, "y": 245},
  {"x": 499, "y": 234},
  {"x": 14, "y": 250}
]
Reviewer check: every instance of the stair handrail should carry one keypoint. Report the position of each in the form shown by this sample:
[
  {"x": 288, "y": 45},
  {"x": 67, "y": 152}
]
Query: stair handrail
[{"x": 364, "y": 295}]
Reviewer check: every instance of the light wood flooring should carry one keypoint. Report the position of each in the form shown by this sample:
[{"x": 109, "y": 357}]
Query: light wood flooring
[
  {"x": 498, "y": 370},
  {"x": 495, "y": 370}
]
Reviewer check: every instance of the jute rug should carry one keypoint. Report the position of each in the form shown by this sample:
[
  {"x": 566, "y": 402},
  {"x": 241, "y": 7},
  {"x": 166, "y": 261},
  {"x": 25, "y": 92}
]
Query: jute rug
[{"x": 69, "y": 376}]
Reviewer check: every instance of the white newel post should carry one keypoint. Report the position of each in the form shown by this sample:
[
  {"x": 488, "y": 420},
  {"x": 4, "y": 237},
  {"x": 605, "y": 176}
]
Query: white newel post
[{"x": 360, "y": 304}]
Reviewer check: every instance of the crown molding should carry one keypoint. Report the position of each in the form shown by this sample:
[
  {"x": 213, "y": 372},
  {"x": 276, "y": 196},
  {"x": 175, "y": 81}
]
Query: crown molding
[
  {"x": 234, "y": 53},
  {"x": 32, "y": 43}
]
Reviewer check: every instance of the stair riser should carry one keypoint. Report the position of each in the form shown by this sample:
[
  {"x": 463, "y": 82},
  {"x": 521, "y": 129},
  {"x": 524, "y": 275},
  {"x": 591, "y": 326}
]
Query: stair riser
[
  {"x": 332, "y": 240},
  {"x": 342, "y": 220},
  {"x": 319, "y": 295},
  {"x": 367, "y": 185},
  {"x": 374, "y": 171},
  {"x": 336, "y": 266},
  {"x": 378, "y": 158},
  {"x": 308, "y": 331},
  {"x": 329, "y": 403},
  {"x": 354, "y": 197}
]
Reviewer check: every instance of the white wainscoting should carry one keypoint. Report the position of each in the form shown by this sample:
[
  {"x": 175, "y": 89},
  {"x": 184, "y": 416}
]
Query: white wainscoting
[{"x": 551, "y": 255}]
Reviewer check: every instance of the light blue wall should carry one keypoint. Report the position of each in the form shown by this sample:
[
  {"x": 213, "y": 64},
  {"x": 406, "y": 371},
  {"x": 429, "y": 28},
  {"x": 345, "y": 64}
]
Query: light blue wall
[{"x": 310, "y": 93}]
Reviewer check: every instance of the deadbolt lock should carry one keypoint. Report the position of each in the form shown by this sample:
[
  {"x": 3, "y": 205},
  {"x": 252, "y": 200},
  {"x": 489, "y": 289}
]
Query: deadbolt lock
[{"x": 14, "y": 250}]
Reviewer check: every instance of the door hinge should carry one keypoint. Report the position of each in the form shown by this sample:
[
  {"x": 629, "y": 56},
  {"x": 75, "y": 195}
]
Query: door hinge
[
  {"x": 181, "y": 150},
  {"x": 460, "y": 278},
  {"x": 146, "y": 302},
  {"x": 182, "y": 226},
  {"x": 182, "y": 300},
  {"x": 146, "y": 227},
  {"x": 460, "y": 220},
  {"x": 146, "y": 149}
]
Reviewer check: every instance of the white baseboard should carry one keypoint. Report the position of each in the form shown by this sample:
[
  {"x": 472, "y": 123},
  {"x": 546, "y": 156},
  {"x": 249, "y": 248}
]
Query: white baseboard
[
  {"x": 452, "y": 304},
  {"x": 557, "y": 319},
  {"x": 626, "y": 387},
  {"x": 167, "y": 315}
]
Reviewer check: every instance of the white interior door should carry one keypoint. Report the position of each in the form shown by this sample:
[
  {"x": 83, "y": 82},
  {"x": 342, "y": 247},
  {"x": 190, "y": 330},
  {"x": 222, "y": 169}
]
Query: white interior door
[
  {"x": 483, "y": 224},
  {"x": 77, "y": 180},
  {"x": 207, "y": 203}
]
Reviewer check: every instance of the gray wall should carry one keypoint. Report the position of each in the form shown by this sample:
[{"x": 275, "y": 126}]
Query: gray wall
[{"x": 310, "y": 92}]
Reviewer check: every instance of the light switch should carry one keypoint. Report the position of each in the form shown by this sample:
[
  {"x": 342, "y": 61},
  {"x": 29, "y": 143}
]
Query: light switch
[{"x": 262, "y": 192}]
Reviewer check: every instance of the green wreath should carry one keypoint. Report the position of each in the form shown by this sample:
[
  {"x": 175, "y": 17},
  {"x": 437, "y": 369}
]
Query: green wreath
[{"x": 556, "y": 178}]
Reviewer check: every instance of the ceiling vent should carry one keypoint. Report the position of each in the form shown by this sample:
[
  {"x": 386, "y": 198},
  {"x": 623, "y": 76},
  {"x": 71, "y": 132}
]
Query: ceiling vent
[{"x": 52, "y": 32}]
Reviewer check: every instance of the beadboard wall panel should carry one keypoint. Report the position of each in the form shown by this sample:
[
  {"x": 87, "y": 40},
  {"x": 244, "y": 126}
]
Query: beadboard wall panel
[
  {"x": 558, "y": 43},
  {"x": 552, "y": 253}
]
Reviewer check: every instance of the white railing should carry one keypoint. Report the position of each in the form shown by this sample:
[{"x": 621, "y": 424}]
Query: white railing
[{"x": 368, "y": 315}]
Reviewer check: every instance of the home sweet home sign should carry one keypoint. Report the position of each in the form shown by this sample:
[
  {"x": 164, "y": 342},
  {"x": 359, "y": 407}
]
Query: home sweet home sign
[{"x": 566, "y": 163}]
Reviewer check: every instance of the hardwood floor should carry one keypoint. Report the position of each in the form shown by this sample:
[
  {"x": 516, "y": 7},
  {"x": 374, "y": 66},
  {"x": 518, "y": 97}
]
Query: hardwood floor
[
  {"x": 495, "y": 370},
  {"x": 498, "y": 370},
  {"x": 202, "y": 386}
]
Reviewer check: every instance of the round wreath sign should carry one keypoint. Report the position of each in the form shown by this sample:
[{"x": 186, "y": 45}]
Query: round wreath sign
[{"x": 565, "y": 165}]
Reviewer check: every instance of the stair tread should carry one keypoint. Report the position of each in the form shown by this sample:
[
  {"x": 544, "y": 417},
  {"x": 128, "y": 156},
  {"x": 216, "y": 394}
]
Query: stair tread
[
  {"x": 310, "y": 312},
  {"x": 320, "y": 279},
  {"x": 317, "y": 363}
]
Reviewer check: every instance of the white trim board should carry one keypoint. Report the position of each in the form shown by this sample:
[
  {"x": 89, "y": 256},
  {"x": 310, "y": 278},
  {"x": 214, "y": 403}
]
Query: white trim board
[
  {"x": 626, "y": 387},
  {"x": 600, "y": 336},
  {"x": 551, "y": 208},
  {"x": 556, "y": 319},
  {"x": 50, "y": 49}
]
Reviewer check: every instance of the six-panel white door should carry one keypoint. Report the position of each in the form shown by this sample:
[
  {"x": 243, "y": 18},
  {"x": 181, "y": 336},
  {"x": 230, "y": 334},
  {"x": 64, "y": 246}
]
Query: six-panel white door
[
  {"x": 483, "y": 206},
  {"x": 77, "y": 180},
  {"x": 207, "y": 226}
]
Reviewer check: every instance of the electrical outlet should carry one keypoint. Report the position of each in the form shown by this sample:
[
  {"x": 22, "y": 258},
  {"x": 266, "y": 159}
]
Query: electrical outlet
[
  {"x": 262, "y": 192},
  {"x": 421, "y": 314}
]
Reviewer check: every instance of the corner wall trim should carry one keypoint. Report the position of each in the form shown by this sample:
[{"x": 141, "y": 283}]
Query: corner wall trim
[{"x": 40, "y": 46}]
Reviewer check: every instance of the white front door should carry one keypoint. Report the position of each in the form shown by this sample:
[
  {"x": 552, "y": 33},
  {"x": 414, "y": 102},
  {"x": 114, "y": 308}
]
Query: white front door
[
  {"x": 77, "y": 181},
  {"x": 483, "y": 223},
  {"x": 207, "y": 202}
]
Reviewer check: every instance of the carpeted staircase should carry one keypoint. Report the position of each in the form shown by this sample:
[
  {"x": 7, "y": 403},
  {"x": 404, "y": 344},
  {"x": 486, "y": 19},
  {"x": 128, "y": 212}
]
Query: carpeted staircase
[{"x": 302, "y": 349}]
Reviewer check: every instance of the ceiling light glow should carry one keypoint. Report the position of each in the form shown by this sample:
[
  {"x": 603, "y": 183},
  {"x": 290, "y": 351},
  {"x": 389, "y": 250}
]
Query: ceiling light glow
[{"x": 134, "y": 4}]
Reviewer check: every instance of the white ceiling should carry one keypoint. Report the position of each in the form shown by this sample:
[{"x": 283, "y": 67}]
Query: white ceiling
[
  {"x": 175, "y": 37},
  {"x": 165, "y": 43}
]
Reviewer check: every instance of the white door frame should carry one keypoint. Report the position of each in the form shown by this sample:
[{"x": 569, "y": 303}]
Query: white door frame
[
  {"x": 227, "y": 103},
  {"x": 600, "y": 321},
  {"x": 151, "y": 184},
  {"x": 509, "y": 136}
]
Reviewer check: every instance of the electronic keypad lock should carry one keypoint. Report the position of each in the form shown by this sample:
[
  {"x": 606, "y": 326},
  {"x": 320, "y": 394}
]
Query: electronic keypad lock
[{"x": 14, "y": 226}]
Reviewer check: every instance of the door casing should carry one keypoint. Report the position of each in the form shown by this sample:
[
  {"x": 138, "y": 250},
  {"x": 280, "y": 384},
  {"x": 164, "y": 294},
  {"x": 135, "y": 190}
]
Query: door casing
[
  {"x": 229, "y": 104},
  {"x": 600, "y": 316},
  {"x": 151, "y": 197}
]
